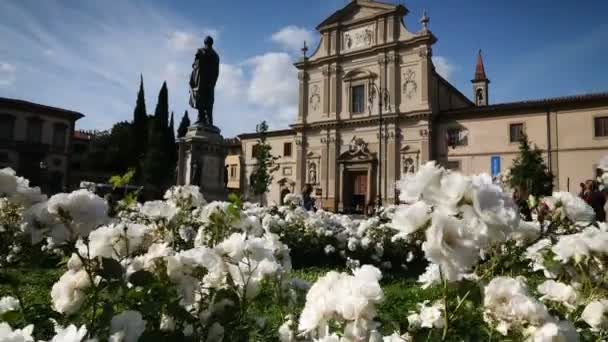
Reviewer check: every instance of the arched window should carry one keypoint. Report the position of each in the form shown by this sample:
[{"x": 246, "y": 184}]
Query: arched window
[{"x": 479, "y": 95}]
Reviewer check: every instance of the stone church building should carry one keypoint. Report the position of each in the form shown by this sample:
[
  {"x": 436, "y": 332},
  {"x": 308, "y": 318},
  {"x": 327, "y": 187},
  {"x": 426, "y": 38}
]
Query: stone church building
[{"x": 372, "y": 107}]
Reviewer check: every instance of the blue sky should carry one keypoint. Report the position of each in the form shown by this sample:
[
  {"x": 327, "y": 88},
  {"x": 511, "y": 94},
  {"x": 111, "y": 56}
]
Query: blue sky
[{"x": 87, "y": 55}]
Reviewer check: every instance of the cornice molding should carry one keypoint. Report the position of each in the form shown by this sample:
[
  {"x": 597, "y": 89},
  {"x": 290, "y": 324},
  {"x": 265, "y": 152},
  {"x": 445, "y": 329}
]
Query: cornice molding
[
  {"x": 367, "y": 121},
  {"x": 386, "y": 48}
]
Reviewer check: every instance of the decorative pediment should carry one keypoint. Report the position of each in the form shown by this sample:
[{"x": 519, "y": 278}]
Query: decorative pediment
[
  {"x": 285, "y": 181},
  {"x": 409, "y": 149},
  {"x": 312, "y": 155},
  {"x": 359, "y": 74},
  {"x": 357, "y": 152},
  {"x": 358, "y": 9}
]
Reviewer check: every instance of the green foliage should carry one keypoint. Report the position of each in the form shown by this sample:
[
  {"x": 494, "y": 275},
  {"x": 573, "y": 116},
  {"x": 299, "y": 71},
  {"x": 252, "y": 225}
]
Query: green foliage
[
  {"x": 183, "y": 125},
  {"x": 140, "y": 126},
  {"x": 171, "y": 145},
  {"x": 158, "y": 165},
  {"x": 154, "y": 167},
  {"x": 112, "y": 152},
  {"x": 118, "y": 181},
  {"x": 161, "y": 113},
  {"x": 261, "y": 177},
  {"x": 530, "y": 172}
]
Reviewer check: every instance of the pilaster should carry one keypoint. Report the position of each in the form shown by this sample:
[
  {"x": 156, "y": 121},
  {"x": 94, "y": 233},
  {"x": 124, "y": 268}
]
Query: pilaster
[
  {"x": 300, "y": 161},
  {"x": 425, "y": 52},
  {"x": 302, "y": 97},
  {"x": 392, "y": 166},
  {"x": 327, "y": 98},
  {"x": 329, "y": 157}
]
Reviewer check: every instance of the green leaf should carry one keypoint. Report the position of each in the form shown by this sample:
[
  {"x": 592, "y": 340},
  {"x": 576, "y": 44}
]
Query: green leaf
[
  {"x": 141, "y": 278},
  {"x": 177, "y": 311},
  {"x": 10, "y": 316},
  {"x": 110, "y": 269}
]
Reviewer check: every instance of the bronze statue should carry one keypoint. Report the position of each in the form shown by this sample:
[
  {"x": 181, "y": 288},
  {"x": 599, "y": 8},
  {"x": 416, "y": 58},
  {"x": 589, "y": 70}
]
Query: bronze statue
[{"x": 205, "y": 70}]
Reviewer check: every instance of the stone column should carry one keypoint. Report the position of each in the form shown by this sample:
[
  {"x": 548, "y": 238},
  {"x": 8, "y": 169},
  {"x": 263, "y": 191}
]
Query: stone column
[
  {"x": 300, "y": 162},
  {"x": 381, "y": 31},
  {"x": 334, "y": 90},
  {"x": 390, "y": 29},
  {"x": 326, "y": 89},
  {"x": 341, "y": 188},
  {"x": 425, "y": 52},
  {"x": 302, "y": 97},
  {"x": 424, "y": 145},
  {"x": 392, "y": 82},
  {"x": 392, "y": 165},
  {"x": 328, "y": 160},
  {"x": 324, "y": 166},
  {"x": 333, "y": 153}
]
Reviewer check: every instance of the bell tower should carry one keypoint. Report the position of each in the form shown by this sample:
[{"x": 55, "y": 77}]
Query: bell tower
[{"x": 480, "y": 83}]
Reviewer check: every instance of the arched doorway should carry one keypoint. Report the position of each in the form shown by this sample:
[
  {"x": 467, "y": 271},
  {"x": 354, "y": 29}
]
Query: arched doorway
[{"x": 284, "y": 193}]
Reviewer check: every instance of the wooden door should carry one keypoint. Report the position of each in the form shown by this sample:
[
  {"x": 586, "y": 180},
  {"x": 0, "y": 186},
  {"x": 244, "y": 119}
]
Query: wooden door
[{"x": 360, "y": 183}]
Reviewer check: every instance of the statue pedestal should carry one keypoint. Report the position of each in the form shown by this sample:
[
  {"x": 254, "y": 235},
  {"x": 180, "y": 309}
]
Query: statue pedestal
[{"x": 201, "y": 161}]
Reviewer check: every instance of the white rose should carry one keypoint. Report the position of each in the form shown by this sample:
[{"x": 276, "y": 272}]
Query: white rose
[
  {"x": 130, "y": 323},
  {"x": 594, "y": 314}
]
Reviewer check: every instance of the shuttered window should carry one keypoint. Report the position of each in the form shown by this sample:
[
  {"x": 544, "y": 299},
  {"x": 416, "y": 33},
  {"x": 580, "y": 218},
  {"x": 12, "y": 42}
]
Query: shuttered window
[{"x": 601, "y": 126}]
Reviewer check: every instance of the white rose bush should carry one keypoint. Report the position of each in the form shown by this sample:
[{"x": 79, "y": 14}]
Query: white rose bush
[{"x": 454, "y": 261}]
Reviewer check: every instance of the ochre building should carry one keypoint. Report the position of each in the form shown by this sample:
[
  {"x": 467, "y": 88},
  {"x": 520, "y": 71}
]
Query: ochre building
[{"x": 372, "y": 108}]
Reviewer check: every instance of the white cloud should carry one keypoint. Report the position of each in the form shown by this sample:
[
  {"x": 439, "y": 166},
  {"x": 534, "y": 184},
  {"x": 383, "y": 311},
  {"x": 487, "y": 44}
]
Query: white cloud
[
  {"x": 7, "y": 74},
  {"x": 273, "y": 80},
  {"x": 231, "y": 82},
  {"x": 292, "y": 38},
  {"x": 443, "y": 67},
  {"x": 98, "y": 52},
  {"x": 189, "y": 41}
]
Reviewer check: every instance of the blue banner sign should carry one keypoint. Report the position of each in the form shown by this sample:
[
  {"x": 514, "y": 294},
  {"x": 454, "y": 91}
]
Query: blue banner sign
[{"x": 495, "y": 161}]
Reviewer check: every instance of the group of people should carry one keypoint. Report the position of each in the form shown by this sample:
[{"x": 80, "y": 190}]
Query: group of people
[
  {"x": 596, "y": 198},
  {"x": 590, "y": 193}
]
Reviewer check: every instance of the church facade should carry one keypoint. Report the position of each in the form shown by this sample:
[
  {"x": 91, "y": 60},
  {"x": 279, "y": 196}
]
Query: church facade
[{"x": 372, "y": 107}]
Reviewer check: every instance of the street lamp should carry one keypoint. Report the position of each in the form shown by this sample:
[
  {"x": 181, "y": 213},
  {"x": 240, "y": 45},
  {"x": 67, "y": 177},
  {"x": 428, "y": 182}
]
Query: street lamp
[{"x": 383, "y": 96}]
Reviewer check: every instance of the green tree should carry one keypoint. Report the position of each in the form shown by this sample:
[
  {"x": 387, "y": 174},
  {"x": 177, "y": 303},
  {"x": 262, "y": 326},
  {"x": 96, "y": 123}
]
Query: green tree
[
  {"x": 529, "y": 171},
  {"x": 154, "y": 164},
  {"x": 140, "y": 124},
  {"x": 161, "y": 113},
  {"x": 183, "y": 126},
  {"x": 171, "y": 145},
  {"x": 261, "y": 177},
  {"x": 110, "y": 152}
]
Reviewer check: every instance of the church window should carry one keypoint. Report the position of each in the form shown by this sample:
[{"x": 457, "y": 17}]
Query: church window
[
  {"x": 233, "y": 171},
  {"x": 254, "y": 150},
  {"x": 601, "y": 126},
  {"x": 457, "y": 137},
  {"x": 358, "y": 99},
  {"x": 287, "y": 149},
  {"x": 479, "y": 95},
  {"x": 516, "y": 132}
]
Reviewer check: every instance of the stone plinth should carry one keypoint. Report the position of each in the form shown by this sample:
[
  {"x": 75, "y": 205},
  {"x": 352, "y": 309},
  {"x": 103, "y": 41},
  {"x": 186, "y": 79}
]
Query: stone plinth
[{"x": 201, "y": 161}]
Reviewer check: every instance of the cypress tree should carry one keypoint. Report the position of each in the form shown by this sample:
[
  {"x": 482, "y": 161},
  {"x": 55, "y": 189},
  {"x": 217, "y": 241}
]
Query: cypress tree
[
  {"x": 529, "y": 171},
  {"x": 161, "y": 114},
  {"x": 183, "y": 125},
  {"x": 140, "y": 118},
  {"x": 154, "y": 163},
  {"x": 171, "y": 145}
]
